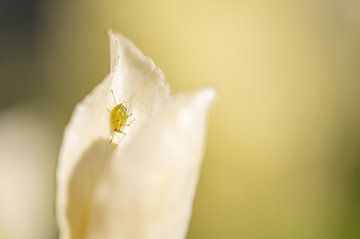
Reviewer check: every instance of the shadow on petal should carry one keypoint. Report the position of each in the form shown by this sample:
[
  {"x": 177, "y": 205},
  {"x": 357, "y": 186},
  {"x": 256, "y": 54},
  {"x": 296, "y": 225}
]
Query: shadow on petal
[{"x": 82, "y": 186}]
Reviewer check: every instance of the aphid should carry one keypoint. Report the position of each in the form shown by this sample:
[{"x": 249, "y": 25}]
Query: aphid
[{"x": 119, "y": 116}]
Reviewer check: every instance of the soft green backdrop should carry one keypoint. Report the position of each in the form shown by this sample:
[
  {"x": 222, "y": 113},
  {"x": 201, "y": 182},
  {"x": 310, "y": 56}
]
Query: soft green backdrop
[{"x": 282, "y": 159}]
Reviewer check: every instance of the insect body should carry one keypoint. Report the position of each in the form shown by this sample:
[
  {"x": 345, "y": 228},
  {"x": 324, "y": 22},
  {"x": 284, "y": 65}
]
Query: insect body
[
  {"x": 118, "y": 120},
  {"x": 118, "y": 115}
]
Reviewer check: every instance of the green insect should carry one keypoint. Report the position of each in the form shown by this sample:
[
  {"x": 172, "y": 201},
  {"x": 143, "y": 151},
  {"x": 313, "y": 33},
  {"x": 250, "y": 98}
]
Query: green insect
[{"x": 119, "y": 116}]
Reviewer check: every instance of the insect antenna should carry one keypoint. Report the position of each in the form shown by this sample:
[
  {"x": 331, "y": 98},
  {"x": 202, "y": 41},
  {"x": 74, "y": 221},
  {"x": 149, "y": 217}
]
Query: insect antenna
[{"x": 112, "y": 92}]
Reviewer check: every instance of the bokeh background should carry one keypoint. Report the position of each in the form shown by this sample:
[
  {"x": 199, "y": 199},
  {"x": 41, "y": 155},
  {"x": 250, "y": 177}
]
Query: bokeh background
[{"x": 283, "y": 153}]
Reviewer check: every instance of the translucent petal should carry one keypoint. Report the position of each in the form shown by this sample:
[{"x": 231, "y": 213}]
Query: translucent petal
[
  {"x": 133, "y": 77},
  {"x": 145, "y": 186}
]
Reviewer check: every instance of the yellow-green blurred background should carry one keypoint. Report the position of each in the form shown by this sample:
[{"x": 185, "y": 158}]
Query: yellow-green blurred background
[{"x": 283, "y": 153}]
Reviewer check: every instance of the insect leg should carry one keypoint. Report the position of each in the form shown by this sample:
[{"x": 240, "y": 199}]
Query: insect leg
[
  {"x": 128, "y": 124},
  {"x": 117, "y": 141},
  {"x": 127, "y": 103}
]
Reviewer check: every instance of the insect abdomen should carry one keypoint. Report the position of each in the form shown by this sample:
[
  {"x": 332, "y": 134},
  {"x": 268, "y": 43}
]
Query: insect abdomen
[{"x": 118, "y": 117}]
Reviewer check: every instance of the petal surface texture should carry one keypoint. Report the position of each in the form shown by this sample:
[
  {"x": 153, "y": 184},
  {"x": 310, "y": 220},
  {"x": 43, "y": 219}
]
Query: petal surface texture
[{"x": 144, "y": 187}]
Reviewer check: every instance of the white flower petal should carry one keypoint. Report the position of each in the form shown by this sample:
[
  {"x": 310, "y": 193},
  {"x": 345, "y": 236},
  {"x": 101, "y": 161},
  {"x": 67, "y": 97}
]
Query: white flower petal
[
  {"x": 88, "y": 123},
  {"x": 135, "y": 78},
  {"x": 148, "y": 189},
  {"x": 118, "y": 193}
]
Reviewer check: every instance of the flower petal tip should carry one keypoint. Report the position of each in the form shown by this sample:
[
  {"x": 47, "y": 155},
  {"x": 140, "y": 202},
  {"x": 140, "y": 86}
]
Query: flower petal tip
[{"x": 205, "y": 97}]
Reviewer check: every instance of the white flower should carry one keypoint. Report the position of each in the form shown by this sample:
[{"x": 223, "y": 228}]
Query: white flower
[{"x": 144, "y": 187}]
